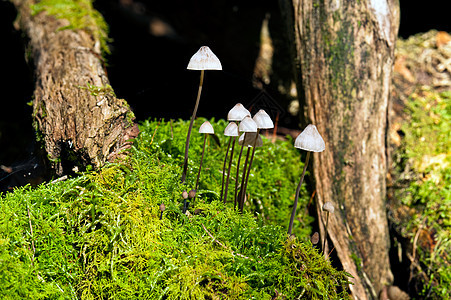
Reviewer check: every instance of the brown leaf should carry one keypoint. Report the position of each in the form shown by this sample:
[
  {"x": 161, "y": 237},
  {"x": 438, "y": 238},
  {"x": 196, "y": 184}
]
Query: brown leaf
[
  {"x": 442, "y": 38},
  {"x": 400, "y": 68}
]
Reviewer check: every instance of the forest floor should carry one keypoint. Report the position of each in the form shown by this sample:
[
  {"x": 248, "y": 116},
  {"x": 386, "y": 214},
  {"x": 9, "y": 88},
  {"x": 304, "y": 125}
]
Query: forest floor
[
  {"x": 100, "y": 234},
  {"x": 419, "y": 181}
]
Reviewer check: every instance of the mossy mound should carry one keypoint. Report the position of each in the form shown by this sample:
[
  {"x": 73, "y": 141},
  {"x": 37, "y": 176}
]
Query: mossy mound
[
  {"x": 420, "y": 194},
  {"x": 100, "y": 235}
]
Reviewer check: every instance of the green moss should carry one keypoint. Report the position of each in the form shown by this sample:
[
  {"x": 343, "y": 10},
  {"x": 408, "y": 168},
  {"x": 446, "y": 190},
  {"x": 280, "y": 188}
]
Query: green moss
[
  {"x": 80, "y": 14},
  {"x": 99, "y": 235},
  {"x": 95, "y": 90},
  {"x": 425, "y": 161},
  {"x": 357, "y": 260}
]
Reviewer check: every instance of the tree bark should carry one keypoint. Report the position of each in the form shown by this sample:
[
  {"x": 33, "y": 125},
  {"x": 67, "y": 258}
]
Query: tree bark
[
  {"x": 345, "y": 52},
  {"x": 77, "y": 116}
]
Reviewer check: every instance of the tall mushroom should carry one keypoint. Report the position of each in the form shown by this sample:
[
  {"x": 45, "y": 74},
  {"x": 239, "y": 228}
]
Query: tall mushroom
[
  {"x": 232, "y": 131},
  {"x": 263, "y": 121},
  {"x": 248, "y": 125},
  {"x": 236, "y": 114},
  {"x": 311, "y": 141},
  {"x": 249, "y": 139},
  {"x": 329, "y": 208},
  {"x": 205, "y": 129},
  {"x": 202, "y": 60}
]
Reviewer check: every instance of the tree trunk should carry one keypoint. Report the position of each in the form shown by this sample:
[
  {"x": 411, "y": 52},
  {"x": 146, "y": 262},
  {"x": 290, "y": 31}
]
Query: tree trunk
[
  {"x": 77, "y": 116},
  {"x": 345, "y": 51}
]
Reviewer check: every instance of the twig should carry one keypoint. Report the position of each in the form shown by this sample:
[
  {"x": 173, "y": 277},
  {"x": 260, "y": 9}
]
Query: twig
[
  {"x": 414, "y": 247},
  {"x": 155, "y": 131},
  {"x": 62, "y": 178},
  {"x": 31, "y": 231},
  {"x": 172, "y": 131},
  {"x": 225, "y": 247}
]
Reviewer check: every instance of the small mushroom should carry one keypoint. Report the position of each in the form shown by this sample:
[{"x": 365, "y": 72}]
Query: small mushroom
[
  {"x": 249, "y": 139},
  {"x": 205, "y": 129},
  {"x": 232, "y": 131},
  {"x": 192, "y": 194},
  {"x": 263, "y": 120},
  {"x": 184, "y": 196},
  {"x": 311, "y": 141},
  {"x": 238, "y": 113},
  {"x": 315, "y": 238},
  {"x": 162, "y": 209},
  {"x": 329, "y": 208},
  {"x": 202, "y": 60},
  {"x": 248, "y": 125}
]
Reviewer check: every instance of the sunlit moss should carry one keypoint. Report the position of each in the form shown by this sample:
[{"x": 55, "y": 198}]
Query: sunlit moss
[
  {"x": 99, "y": 235},
  {"x": 424, "y": 187},
  {"x": 80, "y": 14}
]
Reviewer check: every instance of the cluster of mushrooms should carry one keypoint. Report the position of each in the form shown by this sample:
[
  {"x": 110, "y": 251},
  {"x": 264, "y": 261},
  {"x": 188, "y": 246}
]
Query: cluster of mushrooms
[{"x": 241, "y": 122}]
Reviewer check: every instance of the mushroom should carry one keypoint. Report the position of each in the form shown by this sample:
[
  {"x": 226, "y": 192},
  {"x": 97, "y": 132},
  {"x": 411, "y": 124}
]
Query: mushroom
[
  {"x": 249, "y": 139},
  {"x": 238, "y": 113},
  {"x": 246, "y": 125},
  {"x": 315, "y": 238},
  {"x": 162, "y": 209},
  {"x": 311, "y": 141},
  {"x": 205, "y": 129},
  {"x": 184, "y": 196},
  {"x": 232, "y": 131},
  {"x": 202, "y": 60},
  {"x": 329, "y": 208},
  {"x": 192, "y": 194},
  {"x": 263, "y": 121}
]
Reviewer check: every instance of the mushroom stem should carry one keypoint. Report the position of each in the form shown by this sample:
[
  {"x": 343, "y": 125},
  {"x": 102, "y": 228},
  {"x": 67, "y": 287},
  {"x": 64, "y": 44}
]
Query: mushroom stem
[
  {"x": 241, "y": 205},
  {"x": 200, "y": 166},
  {"x": 184, "y": 206},
  {"x": 238, "y": 175},
  {"x": 250, "y": 165},
  {"x": 185, "y": 164},
  {"x": 325, "y": 232},
  {"x": 293, "y": 212},
  {"x": 228, "y": 171},
  {"x": 224, "y": 168}
]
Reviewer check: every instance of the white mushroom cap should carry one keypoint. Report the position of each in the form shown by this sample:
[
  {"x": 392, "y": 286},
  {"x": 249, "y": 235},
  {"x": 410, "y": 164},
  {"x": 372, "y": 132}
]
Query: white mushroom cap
[
  {"x": 310, "y": 140},
  {"x": 237, "y": 113},
  {"x": 328, "y": 206},
  {"x": 248, "y": 125},
  {"x": 263, "y": 120},
  {"x": 206, "y": 128},
  {"x": 204, "y": 59},
  {"x": 249, "y": 138},
  {"x": 231, "y": 130}
]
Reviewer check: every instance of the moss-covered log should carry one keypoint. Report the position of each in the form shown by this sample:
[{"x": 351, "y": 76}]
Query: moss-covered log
[
  {"x": 77, "y": 116},
  {"x": 345, "y": 52}
]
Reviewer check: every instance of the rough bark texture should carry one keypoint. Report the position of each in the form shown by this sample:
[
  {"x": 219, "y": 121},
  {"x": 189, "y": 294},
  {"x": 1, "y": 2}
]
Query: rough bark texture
[
  {"x": 78, "y": 118},
  {"x": 345, "y": 50}
]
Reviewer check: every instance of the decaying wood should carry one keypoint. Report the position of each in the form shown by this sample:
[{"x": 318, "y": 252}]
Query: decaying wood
[
  {"x": 345, "y": 52},
  {"x": 78, "y": 118}
]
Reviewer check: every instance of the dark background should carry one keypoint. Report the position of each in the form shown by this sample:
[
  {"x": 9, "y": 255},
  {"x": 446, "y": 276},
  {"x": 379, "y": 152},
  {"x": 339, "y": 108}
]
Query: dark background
[{"x": 147, "y": 67}]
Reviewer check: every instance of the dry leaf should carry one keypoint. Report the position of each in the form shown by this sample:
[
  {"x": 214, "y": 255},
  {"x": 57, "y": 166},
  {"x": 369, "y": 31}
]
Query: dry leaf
[
  {"x": 442, "y": 38},
  {"x": 400, "y": 68}
]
